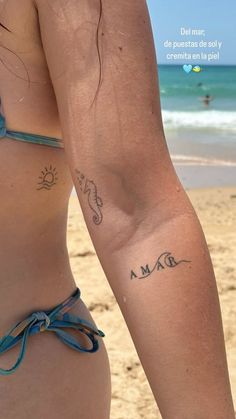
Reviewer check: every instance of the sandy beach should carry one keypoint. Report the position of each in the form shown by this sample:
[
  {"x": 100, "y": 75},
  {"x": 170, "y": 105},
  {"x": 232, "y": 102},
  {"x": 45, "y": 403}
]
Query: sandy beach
[{"x": 131, "y": 393}]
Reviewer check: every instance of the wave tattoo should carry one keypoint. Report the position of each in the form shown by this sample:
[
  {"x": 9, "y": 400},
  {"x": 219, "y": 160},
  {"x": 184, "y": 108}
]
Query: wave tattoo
[
  {"x": 164, "y": 261},
  {"x": 88, "y": 187}
]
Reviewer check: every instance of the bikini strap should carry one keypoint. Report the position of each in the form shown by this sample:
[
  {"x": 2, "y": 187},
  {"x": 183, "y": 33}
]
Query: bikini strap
[
  {"x": 50, "y": 320},
  {"x": 26, "y": 137},
  {"x": 3, "y": 129}
]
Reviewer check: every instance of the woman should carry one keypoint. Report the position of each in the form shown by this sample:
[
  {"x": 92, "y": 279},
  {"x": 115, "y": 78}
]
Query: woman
[{"x": 82, "y": 76}]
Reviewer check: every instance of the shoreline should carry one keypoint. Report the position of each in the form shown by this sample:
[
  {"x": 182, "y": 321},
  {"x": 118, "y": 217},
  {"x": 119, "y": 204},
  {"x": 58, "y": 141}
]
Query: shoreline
[
  {"x": 202, "y": 176},
  {"x": 197, "y": 176}
]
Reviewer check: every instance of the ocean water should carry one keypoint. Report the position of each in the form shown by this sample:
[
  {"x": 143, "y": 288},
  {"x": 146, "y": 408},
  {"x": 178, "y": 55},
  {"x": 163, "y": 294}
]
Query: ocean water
[
  {"x": 196, "y": 133},
  {"x": 201, "y": 140}
]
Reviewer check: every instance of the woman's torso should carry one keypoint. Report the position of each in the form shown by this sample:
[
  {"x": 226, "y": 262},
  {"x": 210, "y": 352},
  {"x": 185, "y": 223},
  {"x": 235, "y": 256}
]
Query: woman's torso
[{"x": 33, "y": 217}]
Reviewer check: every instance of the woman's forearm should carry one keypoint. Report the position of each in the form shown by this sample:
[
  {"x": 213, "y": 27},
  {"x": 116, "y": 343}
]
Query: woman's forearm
[
  {"x": 120, "y": 165},
  {"x": 164, "y": 282}
]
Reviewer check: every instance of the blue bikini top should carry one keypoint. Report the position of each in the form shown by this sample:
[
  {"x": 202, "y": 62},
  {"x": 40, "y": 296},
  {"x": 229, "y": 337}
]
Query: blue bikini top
[{"x": 30, "y": 138}]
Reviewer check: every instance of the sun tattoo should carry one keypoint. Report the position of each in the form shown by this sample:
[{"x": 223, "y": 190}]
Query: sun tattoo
[{"x": 48, "y": 178}]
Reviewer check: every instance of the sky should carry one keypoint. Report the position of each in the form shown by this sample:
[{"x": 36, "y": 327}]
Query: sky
[{"x": 216, "y": 17}]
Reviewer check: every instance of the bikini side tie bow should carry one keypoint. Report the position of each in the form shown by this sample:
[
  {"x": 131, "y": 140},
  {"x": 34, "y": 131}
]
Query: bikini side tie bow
[{"x": 53, "y": 320}]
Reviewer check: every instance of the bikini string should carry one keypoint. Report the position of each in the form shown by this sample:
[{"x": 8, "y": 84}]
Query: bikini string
[{"x": 50, "y": 321}]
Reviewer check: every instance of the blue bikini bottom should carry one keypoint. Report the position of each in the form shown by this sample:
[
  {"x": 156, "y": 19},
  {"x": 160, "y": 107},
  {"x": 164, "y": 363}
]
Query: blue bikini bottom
[{"x": 50, "y": 321}]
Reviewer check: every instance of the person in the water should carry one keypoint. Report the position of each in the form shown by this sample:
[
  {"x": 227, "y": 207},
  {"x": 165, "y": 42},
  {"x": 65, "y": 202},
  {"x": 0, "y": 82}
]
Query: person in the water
[{"x": 207, "y": 100}]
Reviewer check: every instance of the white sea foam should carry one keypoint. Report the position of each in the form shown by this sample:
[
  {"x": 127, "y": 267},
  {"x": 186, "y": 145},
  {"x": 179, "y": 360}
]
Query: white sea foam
[
  {"x": 200, "y": 161},
  {"x": 211, "y": 119}
]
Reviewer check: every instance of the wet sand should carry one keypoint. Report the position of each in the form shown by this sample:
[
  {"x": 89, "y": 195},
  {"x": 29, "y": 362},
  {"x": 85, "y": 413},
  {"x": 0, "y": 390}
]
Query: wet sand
[{"x": 205, "y": 176}]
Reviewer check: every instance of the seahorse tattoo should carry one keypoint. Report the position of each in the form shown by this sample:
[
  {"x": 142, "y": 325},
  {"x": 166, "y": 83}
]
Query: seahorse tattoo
[
  {"x": 164, "y": 261},
  {"x": 88, "y": 187},
  {"x": 48, "y": 178}
]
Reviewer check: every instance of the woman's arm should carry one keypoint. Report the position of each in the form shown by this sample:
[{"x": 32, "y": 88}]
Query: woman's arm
[{"x": 145, "y": 231}]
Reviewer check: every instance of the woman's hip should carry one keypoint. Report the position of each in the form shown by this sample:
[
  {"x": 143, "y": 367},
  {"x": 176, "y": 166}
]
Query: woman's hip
[{"x": 55, "y": 380}]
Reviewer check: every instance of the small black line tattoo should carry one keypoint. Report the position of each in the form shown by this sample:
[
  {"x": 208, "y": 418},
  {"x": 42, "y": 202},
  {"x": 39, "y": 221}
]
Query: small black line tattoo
[
  {"x": 87, "y": 186},
  {"x": 164, "y": 261},
  {"x": 48, "y": 179}
]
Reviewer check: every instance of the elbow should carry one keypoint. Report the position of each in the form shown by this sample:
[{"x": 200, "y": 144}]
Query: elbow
[{"x": 135, "y": 213}]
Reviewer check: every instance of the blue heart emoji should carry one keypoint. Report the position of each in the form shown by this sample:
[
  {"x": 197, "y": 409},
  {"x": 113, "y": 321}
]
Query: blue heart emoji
[{"x": 187, "y": 68}]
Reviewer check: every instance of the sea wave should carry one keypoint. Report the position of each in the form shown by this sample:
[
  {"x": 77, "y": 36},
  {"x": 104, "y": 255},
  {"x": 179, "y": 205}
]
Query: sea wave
[
  {"x": 200, "y": 161},
  {"x": 211, "y": 119}
]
